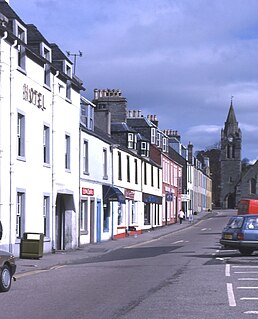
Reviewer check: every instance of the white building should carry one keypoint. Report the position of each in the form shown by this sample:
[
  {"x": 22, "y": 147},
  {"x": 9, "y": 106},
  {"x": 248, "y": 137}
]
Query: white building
[
  {"x": 96, "y": 223},
  {"x": 39, "y": 138},
  {"x": 127, "y": 177}
]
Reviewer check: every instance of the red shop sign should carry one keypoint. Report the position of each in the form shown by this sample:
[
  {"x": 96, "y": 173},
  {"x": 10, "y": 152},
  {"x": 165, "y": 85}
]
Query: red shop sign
[{"x": 87, "y": 191}]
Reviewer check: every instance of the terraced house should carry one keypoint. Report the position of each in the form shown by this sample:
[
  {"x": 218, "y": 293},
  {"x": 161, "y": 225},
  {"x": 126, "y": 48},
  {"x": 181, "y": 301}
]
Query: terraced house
[{"x": 76, "y": 171}]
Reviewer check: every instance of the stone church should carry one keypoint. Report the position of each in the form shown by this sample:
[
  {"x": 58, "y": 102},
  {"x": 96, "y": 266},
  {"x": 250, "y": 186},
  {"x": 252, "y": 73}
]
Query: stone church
[{"x": 230, "y": 161}]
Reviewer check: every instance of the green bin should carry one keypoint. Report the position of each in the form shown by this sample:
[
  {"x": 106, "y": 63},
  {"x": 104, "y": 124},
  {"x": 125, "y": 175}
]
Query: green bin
[{"x": 32, "y": 245}]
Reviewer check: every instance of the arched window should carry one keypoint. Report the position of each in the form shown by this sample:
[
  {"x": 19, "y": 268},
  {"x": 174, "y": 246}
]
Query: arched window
[{"x": 253, "y": 185}]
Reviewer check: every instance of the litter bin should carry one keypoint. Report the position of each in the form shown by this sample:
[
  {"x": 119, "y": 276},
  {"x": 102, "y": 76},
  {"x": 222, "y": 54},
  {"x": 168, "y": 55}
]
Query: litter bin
[{"x": 32, "y": 245}]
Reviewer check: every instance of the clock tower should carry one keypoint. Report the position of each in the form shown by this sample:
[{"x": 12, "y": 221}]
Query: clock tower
[{"x": 231, "y": 143}]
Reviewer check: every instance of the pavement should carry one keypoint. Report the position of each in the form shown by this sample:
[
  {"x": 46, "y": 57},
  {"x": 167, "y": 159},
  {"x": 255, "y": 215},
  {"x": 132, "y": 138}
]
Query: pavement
[{"x": 59, "y": 258}]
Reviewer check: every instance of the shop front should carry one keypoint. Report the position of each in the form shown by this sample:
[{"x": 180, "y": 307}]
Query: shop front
[{"x": 152, "y": 210}]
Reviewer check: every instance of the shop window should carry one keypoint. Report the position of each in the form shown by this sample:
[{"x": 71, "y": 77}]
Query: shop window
[{"x": 84, "y": 216}]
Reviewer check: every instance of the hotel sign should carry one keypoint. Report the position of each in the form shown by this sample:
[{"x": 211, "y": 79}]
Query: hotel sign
[{"x": 34, "y": 97}]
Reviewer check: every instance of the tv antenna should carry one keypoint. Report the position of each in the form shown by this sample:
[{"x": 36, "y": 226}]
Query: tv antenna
[{"x": 74, "y": 55}]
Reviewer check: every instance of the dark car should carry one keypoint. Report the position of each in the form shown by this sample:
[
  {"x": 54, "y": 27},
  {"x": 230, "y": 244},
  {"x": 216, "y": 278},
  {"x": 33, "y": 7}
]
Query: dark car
[
  {"x": 7, "y": 267},
  {"x": 241, "y": 232},
  {"x": 7, "y": 270}
]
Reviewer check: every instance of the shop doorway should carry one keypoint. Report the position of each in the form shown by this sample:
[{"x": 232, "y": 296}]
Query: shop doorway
[{"x": 65, "y": 218}]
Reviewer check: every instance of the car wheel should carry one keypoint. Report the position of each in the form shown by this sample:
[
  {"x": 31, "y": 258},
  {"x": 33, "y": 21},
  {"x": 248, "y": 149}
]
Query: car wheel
[
  {"x": 246, "y": 252},
  {"x": 5, "y": 279}
]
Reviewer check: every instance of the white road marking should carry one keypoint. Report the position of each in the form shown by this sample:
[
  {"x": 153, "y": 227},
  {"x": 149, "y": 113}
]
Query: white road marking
[
  {"x": 227, "y": 270},
  {"x": 245, "y": 272},
  {"x": 247, "y": 287},
  {"x": 203, "y": 229},
  {"x": 247, "y": 279},
  {"x": 177, "y": 242},
  {"x": 251, "y": 312},
  {"x": 245, "y": 266},
  {"x": 249, "y": 298},
  {"x": 231, "y": 297}
]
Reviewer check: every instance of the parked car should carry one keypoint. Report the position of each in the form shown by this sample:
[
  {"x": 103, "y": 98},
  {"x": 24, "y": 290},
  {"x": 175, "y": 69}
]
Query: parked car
[
  {"x": 7, "y": 270},
  {"x": 241, "y": 232},
  {"x": 7, "y": 267}
]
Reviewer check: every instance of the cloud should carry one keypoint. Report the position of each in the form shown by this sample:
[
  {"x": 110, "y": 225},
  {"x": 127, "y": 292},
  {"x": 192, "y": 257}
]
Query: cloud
[{"x": 181, "y": 60}]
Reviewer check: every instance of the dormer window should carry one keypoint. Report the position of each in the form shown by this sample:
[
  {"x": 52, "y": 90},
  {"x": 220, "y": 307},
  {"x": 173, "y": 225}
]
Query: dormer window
[
  {"x": 158, "y": 139},
  {"x": 68, "y": 69},
  {"x": 45, "y": 51},
  {"x": 164, "y": 144},
  {"x": 153, "y": 135},
  {"x": 145, "y": 149},
  {"x": 21, "y": 33},
  {"x": 131, "y": 140}
]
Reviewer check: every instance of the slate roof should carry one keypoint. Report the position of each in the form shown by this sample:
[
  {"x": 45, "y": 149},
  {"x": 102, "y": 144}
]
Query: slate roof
[
  {"x": 139, "y": 122},
  {"x": 34, "y": 35},
  {"x": 121, "y": 127}
]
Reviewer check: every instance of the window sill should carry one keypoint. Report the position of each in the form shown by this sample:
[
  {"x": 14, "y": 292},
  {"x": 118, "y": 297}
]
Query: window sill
[
  {"x": 21, "y": 158},
  {"x": 84, "y": 232},
  {"x": 47, "y": 87},
  {"x": 23, "y": 71}
]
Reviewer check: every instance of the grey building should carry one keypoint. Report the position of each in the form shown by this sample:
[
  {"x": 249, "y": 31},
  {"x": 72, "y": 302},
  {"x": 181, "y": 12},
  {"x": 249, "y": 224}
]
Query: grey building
[{"x": 231, "y": 143}]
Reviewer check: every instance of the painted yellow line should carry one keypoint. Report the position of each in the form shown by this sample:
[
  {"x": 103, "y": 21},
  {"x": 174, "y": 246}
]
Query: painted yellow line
[{"x": 34, "y": 272}]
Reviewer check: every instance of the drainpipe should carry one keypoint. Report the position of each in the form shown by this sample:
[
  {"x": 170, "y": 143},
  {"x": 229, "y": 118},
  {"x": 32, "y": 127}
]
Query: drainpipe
[
  {"x": 52, "y": 164},
  {"x": 1, "y": 106},
  {"x": 12, "y": 128},
  {"x": 79, "y": 220}
]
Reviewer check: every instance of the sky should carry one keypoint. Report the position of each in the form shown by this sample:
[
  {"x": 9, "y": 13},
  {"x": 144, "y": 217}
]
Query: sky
[{"x": 182, "y": 60}]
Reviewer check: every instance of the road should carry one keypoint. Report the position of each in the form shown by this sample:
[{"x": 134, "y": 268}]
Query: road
[{"x": 181, "y": 275}]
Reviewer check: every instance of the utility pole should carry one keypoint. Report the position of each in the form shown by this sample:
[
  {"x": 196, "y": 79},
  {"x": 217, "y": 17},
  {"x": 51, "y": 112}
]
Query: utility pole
[{"x": 75, "y": 55}]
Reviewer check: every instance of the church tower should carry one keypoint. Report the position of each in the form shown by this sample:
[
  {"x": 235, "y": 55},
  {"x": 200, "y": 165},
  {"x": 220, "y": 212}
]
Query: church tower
[{"x": 231, "y": 143}]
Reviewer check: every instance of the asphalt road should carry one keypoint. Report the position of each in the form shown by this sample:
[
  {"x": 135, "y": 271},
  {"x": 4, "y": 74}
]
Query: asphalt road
[{"x": 180, "y": 275}]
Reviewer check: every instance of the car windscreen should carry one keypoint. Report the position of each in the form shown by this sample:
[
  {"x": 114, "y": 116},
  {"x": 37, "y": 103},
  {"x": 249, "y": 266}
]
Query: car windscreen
[
  {"x": 251, "y": 223},
  {"x": 235, "y": 222}
]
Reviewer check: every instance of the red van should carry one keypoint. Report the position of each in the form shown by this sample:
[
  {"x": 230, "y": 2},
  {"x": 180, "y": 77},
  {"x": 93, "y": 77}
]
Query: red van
[{"x": 247, "y": 206}]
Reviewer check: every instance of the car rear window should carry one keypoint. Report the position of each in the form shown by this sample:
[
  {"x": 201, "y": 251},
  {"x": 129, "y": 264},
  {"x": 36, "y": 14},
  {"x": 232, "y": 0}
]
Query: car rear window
[
  {"x": 235, "y": 222},
  {"x": 251, "y": 223}
]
